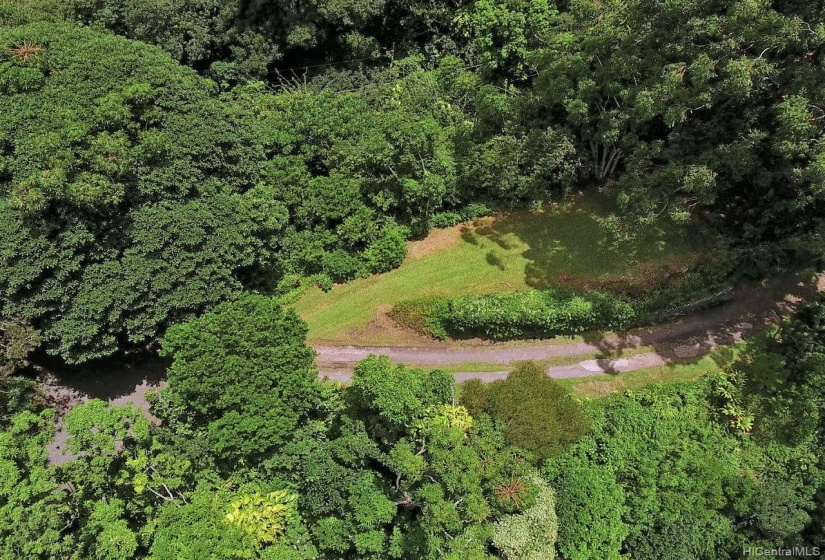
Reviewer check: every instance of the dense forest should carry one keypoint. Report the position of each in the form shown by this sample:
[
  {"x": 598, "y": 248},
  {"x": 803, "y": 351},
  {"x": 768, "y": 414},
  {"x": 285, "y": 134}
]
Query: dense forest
[{"x": 174, "y": 172}]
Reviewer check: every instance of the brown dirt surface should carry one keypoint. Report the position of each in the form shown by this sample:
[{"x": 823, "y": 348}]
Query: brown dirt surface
[
  {"x": 436, "y": 240},
  {"x": 383, "y": 327}
]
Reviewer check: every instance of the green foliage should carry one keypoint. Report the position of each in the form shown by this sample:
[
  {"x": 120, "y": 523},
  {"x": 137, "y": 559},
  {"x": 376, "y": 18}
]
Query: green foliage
[
  {"x": 110, "y": 533},
  {"x": 521, "y": 169},
  {"x": 716, "y": 122},
  {"x": 20, "y": 12},
  {"x": 150, "y": 198},
  {"x": 415, "y": 476},
  {"x": 451, "y": 218},
  {"x": 562, "y": 244},
  {"x": 390, "y": 399},
  {"x": 688, "y": 108},
  {"x": 547, "y": 312},
  {"x": 678, "y": 295},
  {"x": 588, "y": 496},
  {"x": 122, "y": 475},
  {"x": 264, "y": 518},
  {"x": 138, "y": 198},
  {"x": 659, "y": 477},
  {"x": 504, "y": 34},
  {"x": 242, "y": 375},
  {"x": 18, "y": 340},
  {"x": 530, "y": 535},
  {"x": 422, "y": 315},
  {"x": 540, "y": 415},
  {"x": 779, "y": 384},
  {"x": 238, "y": 41},
  {"x": 32, "y": 512},
  {"x": 122, "y": 194},
  {"x": 550, "y": 312},
  {"x": 195, "y": 531}
]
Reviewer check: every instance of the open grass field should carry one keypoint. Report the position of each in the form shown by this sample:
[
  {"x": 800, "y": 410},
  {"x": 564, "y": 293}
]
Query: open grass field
[{"x": 562, "y": 244}]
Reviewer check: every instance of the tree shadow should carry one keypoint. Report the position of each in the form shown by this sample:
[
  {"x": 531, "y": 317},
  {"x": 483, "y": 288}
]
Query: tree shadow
[
  {"x": 710, "y": 332},
  {"x": 565, "y": 244},
  {"x": 106, "y": 379},
  {"x": 495, "y": 261}
]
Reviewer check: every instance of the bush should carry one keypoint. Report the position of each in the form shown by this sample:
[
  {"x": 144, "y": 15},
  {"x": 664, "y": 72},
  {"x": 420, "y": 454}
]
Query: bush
[
  {"x": 453, "y": 217},
  {"x": 445, "y": 219},
  {"x": 388, "y": 251},
  {"x": 556, "y": 311},
  {"x": 422, "y": 315},
  {"x": 547, "y": 313},
  {"x": 541, "y": 416},
  {"x": 323, "y": 281}
]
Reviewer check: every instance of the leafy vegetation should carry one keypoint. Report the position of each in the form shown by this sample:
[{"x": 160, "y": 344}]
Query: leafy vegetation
[
  {"x": 541, "y": 416},
  {"x": 149, "y": 198},
  {"x": 562, "y": 245},
  {"x": 173, "y": 172},
  {"x": 545, "y": 312},
  {"x": 551, "y": 312},
  {"x": 728, "y": 478},
  {"x": 390, "y": 467}
]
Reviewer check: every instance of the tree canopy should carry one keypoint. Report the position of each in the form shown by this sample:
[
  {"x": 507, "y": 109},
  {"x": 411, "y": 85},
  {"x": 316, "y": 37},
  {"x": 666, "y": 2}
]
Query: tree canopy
[{"x": 173, "y": 172}]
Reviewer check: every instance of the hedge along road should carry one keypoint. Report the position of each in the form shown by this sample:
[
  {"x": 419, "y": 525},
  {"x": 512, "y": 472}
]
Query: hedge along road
[{"x": 753, "y": 308}]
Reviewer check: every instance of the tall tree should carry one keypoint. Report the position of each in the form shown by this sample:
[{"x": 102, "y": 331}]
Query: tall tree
[{"x": 242, "y": 376}]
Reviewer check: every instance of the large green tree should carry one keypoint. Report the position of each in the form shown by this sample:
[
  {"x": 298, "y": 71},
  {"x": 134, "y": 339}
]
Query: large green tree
[
  {"x": 685, "y": 108},
  {"x": 541, "y": 416},
  {"x": 126, "y": 201},
  {"x": 241, "y": 377}
]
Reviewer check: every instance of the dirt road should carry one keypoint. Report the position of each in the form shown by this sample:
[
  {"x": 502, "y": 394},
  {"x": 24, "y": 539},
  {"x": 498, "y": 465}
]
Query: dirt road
[{"x": 753, "y": 308}]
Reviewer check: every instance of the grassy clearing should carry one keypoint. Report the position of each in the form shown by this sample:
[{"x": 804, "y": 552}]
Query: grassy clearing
[{"x": 561, "y": 244}]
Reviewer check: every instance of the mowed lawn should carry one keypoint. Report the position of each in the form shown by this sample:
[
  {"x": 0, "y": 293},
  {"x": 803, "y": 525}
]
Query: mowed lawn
[{"x": 562, "y": 244}]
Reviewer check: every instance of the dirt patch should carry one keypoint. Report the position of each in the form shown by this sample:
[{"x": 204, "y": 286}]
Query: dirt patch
[
  {"x": 437, "y": 240},
  {"x": 382, "y": 327},
  {"x": 445, "y": 238},
  {"x": 113, "y": 382}
]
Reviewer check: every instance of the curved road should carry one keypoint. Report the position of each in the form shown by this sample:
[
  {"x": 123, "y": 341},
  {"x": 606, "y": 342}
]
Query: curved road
[{"x": 752, "y": 309}]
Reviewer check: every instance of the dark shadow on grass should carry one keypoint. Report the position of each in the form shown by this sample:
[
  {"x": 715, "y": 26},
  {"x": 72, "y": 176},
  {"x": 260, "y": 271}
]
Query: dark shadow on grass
[
  {"x": 468, "y": 235},
  {"x": 494, "y": 261},
  {"x": 567, "y": 245}
]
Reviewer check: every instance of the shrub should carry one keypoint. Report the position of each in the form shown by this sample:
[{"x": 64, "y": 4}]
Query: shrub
[
  {"x": 555, "y": 311},
  {"x": 388, "y": 251},
  {"x": 530, "y": 535},
  {"x": 453, "y": 217},
  {"x": 541, "y": 416},
  {"x": 323, "y": 281},
  {"x": 423, "y": 315},
  {"x": 445, "y": 219},
  {"x": 474, "y": 397},
  {"x": 546, "y": 313}
]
